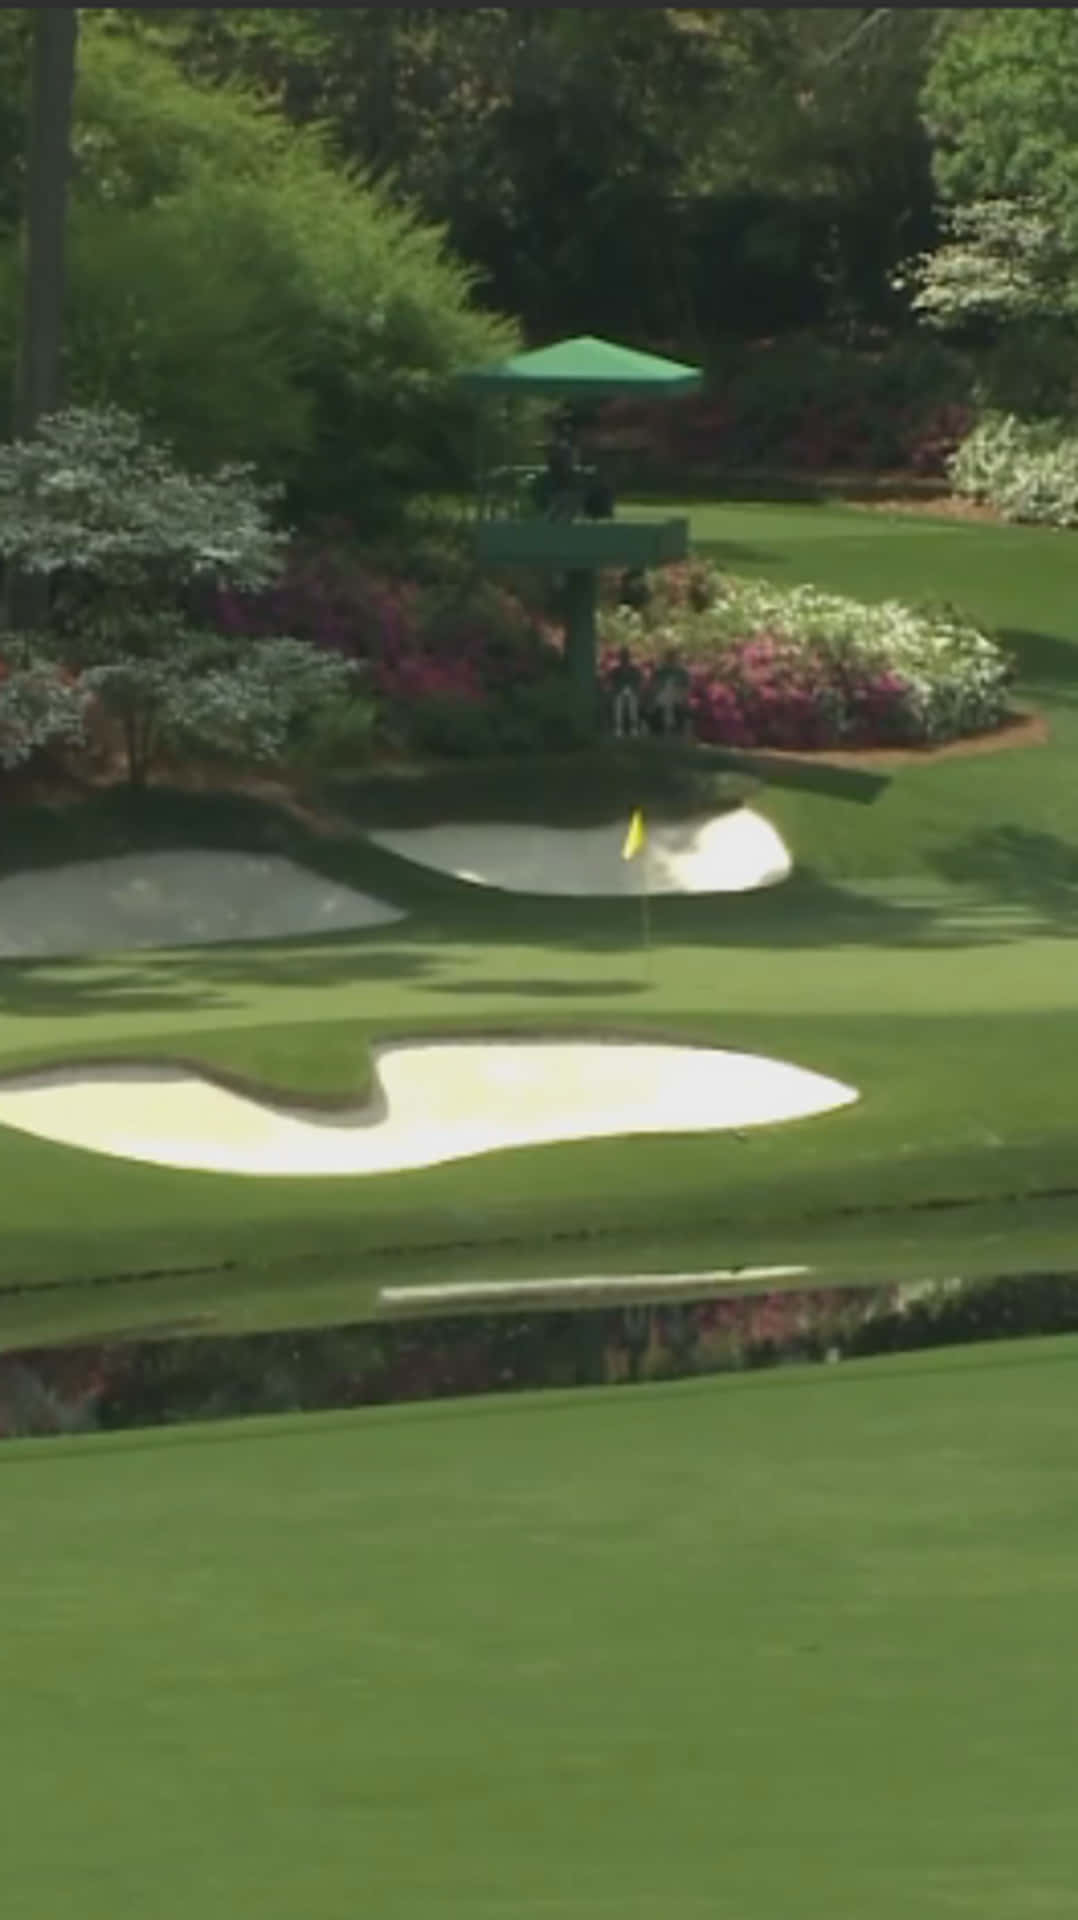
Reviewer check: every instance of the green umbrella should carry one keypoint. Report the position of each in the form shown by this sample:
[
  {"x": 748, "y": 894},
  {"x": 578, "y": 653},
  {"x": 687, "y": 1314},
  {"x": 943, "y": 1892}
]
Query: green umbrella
[{"x": 584, "y": 368}]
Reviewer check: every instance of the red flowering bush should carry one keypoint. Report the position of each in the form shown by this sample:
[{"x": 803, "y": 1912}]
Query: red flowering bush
[
  {"x": 799, "y": 404},
  {"x": 447, "y": 666},
  {"x": 931, "y": 441},
  {"x": 465, "y": 644}
]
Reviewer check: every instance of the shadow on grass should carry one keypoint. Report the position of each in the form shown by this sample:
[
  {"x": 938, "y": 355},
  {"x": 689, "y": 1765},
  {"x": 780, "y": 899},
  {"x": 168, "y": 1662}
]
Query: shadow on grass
[
  {"x": 57, "y": 991},
  {"x": 1016, "y": 885},
  {"x": 1019, "y": 885},
  {"x": 808, "y": 912},
  {"x": 311, "y": 965},
  {"x": 546, "y": 989},
  {"x": 855, "y": 784},
  {"x": 1037, "y": 870},
  {"x": 1045, "y": 661},
  {"x": 198, "y": 982},
  {"x": 762, "y": 488}
]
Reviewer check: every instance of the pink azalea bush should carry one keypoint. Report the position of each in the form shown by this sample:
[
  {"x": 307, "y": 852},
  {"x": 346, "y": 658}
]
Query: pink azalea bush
[
  {"x": 799, "y": 669},
  {"x": 468, "y": 668},
  {"x": 464, "y": 645}
]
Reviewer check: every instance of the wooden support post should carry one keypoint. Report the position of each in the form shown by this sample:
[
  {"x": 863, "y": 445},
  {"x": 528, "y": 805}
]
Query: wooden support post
[{"x": 581, "y": 602}]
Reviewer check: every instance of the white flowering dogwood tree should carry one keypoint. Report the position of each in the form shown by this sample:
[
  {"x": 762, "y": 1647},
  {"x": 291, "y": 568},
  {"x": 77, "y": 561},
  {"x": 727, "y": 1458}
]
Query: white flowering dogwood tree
[{"x": 129, "y": 542}]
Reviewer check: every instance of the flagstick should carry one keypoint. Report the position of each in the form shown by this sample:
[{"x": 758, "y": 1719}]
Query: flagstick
[{"x": 645, "y": 910}]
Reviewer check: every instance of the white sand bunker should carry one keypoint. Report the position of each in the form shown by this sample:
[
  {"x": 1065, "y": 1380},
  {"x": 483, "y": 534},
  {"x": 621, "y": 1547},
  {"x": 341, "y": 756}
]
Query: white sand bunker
[
  {"x": 436, "y": 1102},
  {"x": 725, "y": 853},
  {"x": 173, "y": 900}
]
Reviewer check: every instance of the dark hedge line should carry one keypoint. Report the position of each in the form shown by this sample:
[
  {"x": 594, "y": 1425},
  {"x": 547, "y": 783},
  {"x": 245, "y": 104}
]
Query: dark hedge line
[{"x": 154, "y": 1382}]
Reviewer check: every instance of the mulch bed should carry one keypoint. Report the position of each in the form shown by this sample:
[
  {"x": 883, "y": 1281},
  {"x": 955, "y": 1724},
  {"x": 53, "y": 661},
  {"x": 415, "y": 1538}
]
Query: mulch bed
[
  {"x": 945, "y": 507},
  {"x": 1023, "y": 730}
]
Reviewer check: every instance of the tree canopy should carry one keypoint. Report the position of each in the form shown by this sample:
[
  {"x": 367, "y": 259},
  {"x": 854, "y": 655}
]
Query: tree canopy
[{"x": 242, "y": 292}]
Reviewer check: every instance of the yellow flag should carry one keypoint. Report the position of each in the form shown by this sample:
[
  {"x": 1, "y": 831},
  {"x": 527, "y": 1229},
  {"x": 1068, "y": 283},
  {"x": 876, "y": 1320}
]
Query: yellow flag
[{"x": 635, "y": 837}]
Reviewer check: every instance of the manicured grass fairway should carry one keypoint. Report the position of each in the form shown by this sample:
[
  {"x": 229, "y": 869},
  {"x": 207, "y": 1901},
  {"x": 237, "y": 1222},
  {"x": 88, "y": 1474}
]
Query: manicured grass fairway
[
  {"x": 923, "y": 951},
  {"x": 743, "y": 1649}
]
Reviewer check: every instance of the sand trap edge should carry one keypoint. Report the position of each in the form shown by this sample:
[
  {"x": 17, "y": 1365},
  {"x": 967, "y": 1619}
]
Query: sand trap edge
[
  {"x": 366, "y": 1102},
  {"x": 595, "y": 1286},
  {"x": 401, "y": 844},
  {"x": 381, "y": 914}
]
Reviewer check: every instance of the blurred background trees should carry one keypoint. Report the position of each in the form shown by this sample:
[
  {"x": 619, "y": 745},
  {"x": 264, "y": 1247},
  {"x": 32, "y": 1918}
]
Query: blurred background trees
[{"x": 288, "y": 227}]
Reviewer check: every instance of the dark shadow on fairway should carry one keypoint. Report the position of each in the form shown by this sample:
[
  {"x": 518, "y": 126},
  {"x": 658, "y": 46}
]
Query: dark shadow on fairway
[
  {"x": 856, "y": 784},
  {"x": 755, "y": 489},
  {"x": 548, "y": 989},
  {"x": 807, "y": 911},
  {"x": 733, "y": 553},
  {"x": 54, "y": 989},
  {"x": 24, "y": 990},
  {"x": 311, "y": 966},
  {"x": 1019, "y": 884},
  {"x": 1044, "y": 661},
  {"x": 1036, "y": 870}
]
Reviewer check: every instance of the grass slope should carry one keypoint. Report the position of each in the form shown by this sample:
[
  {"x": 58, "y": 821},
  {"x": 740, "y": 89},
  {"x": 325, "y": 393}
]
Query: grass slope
[
  {"x": 770, "y": 1645},
  {"x": 923, "y": 951}
]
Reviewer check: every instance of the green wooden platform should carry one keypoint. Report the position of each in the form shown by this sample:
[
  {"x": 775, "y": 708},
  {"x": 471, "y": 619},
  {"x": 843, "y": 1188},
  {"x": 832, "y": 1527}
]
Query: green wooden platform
[{"x": 570, "y": 545}]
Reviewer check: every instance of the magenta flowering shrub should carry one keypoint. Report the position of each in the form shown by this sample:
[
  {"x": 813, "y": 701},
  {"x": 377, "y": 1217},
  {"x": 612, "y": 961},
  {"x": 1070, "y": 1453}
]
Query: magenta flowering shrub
[
  {"x": 801, "y": 405},
  {"x": 797, "y": 668},
  {"x": 325, "y": 596},
  {"x": 469, "y": 644},
  {"x": 762, "y": 692}
]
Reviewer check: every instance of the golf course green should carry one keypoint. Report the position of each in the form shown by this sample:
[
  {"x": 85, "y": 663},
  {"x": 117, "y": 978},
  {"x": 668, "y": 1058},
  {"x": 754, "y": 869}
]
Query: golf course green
[
  {"x": 793, "y": 1643},
  {"x": 783, "y": 1645},
  {"x": 921, "y": 952}
]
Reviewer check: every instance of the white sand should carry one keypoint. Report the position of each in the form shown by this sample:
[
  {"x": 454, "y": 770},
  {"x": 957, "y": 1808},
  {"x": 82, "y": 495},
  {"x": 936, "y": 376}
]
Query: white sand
[
  {"x": 725, "y": 853},
  {"x": 436, "y": 1102},
  {"x": 174, "y": 900}
]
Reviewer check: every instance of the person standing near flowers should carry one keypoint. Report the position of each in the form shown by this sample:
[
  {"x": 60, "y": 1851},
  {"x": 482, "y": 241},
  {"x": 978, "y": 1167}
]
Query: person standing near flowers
[
  {"x": 670, "y": 693},
  {"x": 625, "y": 685}
]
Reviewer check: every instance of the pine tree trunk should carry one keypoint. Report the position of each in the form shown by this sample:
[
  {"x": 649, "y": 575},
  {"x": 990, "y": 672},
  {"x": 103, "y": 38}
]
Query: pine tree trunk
[
  {"x": 37, "y": 377},
  {"x": 37, "y": 385}
]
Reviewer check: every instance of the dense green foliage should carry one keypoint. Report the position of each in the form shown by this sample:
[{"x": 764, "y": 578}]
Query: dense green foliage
[
  {"x": 669, "y": 173},
  {"x": 251, "y": 299},
  {"x": 284, "y": 219},
  {"x": 127, "y": 541},
  {"x": 290, "y": 226},
  {"x": 1000, "y": 105}
]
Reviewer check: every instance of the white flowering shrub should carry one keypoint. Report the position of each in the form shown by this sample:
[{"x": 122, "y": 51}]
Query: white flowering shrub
[
  {"x": 90, "y": 497},
  {"x": 1027, "y": 470},
  {"x": 797, "y": 667},
  {"x": 255, "y": 706},
  {"x": 1000, "y": 260},
  {"x": 39, "y": 707},
  {"x": 129, "y": 543}
]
